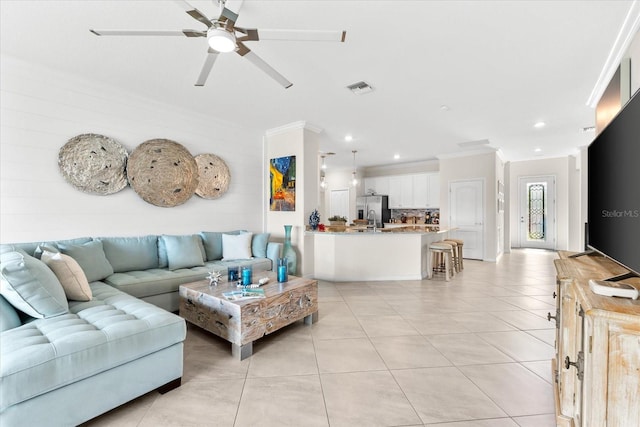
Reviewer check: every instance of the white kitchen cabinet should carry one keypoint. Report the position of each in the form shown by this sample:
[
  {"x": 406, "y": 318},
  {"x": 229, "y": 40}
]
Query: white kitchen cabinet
[
  {"x": 420, "y": 197},
  {"x": 597, "y": 363},
  {"x": 400, "y": 191},
  {"x": 376, "y": 185}
]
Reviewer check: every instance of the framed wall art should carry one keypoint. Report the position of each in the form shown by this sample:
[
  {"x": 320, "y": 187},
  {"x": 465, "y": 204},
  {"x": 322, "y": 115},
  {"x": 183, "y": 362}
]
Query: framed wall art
[{"x": 282, "y": 189}]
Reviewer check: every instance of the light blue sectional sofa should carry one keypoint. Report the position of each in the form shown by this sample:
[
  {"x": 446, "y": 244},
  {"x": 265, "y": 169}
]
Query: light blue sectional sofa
[{"x": 65, "y": 360}]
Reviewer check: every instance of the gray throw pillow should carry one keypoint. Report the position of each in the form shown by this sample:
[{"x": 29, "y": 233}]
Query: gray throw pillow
[
  {"x": 183, "y": 251},
  {"x": 91, "y": 258},
  {"x": 30, "y": 286}
]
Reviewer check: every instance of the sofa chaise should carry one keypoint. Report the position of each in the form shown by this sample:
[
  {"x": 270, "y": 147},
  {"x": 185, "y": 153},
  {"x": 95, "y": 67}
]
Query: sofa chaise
[{"x": 73, "y": 349}]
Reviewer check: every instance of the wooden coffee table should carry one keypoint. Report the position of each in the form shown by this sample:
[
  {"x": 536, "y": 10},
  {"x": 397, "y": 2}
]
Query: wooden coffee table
[{"x": 243, "y": 322}]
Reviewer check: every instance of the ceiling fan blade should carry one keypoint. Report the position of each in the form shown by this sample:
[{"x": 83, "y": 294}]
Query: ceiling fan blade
[
  {"x": 188, "y": 33},
  {"x": 212, "y": 55},
  {"x": 259, "y": 62},
  {"x": 194, "y": 13},
  {"x": 303, "y": 35}
]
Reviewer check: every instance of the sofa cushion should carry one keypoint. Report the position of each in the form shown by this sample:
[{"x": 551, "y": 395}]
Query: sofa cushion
[
  {"x": 30, "y": 286},
  {"x": 236, "y": 247},
  {"x": 131, "y": 253},
  {"x": 158, "y": 281},
  {"x": 183, "y": 251},
  {"x": 91, "y": 258},
  {"x": 70, "y": 274},
  {"x": 9, "y": 318},
  {"x": 259, "y": 244},
  {"x": 163, "y": 259},
  {"x": 111, "y": 329},
  {"x": 213, "y": 243}
]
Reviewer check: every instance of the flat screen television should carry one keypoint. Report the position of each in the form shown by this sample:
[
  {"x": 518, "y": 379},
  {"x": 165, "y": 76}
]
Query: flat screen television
[{"x": 614, "y": 188}]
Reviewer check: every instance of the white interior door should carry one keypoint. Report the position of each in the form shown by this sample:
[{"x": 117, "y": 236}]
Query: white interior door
[
  {"x": 537, "y": 212},
  {"x": 466, "y": 208},
  {"x": 339, "y": 203}
]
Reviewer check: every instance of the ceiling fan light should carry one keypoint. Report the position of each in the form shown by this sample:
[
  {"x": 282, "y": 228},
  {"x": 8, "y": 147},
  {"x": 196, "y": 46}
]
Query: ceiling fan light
[{"x": 221, "y": 40}]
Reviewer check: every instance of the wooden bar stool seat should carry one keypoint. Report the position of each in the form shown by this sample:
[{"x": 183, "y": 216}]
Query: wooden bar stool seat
[
  {"x": 458, "y": 258},
  {"x": 441, "y": 260}
]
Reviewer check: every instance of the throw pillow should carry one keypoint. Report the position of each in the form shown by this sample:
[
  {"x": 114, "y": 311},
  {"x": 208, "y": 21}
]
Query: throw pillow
[
  {"x": 91, "y": 258},
  {"x": 9, "y": 318},
  {"x": 212, "y": 244},
  {"x": 69, "y": 273},
  {"x": 183, "y": 251},
  {"x": 259, "y": 245},
  {"x": 30, "y": 286},
  {"x": 236, "y": 247},
  {"x": 131, "y": 253}
]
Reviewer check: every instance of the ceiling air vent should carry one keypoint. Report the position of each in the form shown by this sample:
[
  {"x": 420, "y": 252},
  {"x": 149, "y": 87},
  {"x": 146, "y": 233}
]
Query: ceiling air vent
[{"x": 360, "y": 88}]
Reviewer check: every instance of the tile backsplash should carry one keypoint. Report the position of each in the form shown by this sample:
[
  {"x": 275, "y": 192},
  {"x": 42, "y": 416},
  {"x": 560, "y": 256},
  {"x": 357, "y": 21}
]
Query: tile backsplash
[{"x": 416, "y": 216}]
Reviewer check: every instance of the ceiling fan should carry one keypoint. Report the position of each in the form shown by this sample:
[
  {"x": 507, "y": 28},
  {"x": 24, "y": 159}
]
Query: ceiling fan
[{"x": 224, "y": 36}]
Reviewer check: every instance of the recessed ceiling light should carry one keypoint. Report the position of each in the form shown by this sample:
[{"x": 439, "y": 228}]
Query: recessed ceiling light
[
  {"x": 537, "y": 150},
  {"x": 539, "y": 125},
  {"x": 348, "y": 138},
  {"x": 396, "y": 156},
  {"x": 444, "y": 107}
]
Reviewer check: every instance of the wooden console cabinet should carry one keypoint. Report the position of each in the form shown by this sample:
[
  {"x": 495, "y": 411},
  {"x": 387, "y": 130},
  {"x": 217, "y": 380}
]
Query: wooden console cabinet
[{"x": 597, "y": 363}]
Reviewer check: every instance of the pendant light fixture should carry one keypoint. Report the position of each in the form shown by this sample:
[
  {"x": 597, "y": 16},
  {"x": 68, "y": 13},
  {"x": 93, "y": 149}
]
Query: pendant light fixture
[
  {"x": 323, "y": 181},
  {"x": 354, "y": 178}
]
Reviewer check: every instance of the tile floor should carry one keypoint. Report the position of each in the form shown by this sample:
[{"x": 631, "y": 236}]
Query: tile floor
[{"x": 473, "y": 352}]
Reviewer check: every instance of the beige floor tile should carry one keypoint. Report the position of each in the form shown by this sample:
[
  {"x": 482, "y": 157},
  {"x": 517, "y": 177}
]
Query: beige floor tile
[
  {"x": 495, "y": 422},
  {"x": 386, "y": 326},
  {"x": 546, "y": 335},
  {"x": 366, "y": 399},
  {"x": 282, "y": 401},
  {"x": 435, "y": 324},
  {"x": 467, "y": 349},
  {"x": 207, "y": 357},
  {"x": 489, "y": 304},
  {"x": 547, "y": 420},
  {"x": 290, "y": 353},
  {"x": 444, "y": 395},
  {"x": 519, "y": 345},
  {"x": 348, "y": 355},
  {"x": 523, "y": 319},
  {"x": 408, "y": 352},
  {"x": 482, "y": 322},
  {"x": 528, "y": 303},
  {"x": 377, "y": 307},
  {"x": 128, "y": 415},
  {"x": 504, "y": 384},
  {"x": 541, "y": 368},
  {"x": 197, "y": 404}
]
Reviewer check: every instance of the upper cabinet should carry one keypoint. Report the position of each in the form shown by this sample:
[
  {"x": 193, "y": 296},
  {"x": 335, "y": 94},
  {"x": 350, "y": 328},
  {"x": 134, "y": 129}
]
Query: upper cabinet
[{"x": 413, "y": 191}]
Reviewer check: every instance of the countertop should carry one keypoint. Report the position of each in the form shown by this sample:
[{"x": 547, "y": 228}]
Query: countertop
[{"x": 363, "y": 231}]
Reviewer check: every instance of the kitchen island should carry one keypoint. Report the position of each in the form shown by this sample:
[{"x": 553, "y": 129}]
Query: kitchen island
[{"x": 388, "y": 255}]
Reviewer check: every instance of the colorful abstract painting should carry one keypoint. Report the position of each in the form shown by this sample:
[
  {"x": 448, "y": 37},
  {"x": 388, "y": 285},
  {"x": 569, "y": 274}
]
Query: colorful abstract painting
[{"x": 282, "y": 172}]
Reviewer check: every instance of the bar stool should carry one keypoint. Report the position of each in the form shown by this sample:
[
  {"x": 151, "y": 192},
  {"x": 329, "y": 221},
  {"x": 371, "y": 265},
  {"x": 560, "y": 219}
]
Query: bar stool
[
  {"x": 455, "y": 262},
  {"x": 441, "y": 260},
  {"x": 458, "y": 258}
]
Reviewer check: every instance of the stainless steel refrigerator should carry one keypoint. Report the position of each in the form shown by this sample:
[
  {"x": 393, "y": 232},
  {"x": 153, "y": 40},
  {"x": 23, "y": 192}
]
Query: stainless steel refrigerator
[{"x": 370, "y": 207}]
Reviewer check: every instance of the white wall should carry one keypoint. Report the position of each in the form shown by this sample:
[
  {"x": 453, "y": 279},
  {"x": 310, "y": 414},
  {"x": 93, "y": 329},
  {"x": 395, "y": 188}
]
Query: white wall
[
  {"x": 295, "y": 140},
  {"x": 42, "y": 109},
  {"x": 478, "y": 166},
  {"x": 566, "y": 177}
]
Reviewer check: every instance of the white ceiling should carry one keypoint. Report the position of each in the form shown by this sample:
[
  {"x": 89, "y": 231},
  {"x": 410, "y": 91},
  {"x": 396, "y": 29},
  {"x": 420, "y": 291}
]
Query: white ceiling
[{"x": 500, "y": 66}]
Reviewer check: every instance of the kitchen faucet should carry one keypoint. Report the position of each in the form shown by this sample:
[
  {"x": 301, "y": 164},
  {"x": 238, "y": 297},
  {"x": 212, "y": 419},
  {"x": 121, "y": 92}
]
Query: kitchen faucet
[{"x": 371, "y": 211}]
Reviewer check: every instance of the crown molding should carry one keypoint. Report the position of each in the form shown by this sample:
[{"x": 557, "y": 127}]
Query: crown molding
[
  {"x": 468, "y": 153},
  {"x": 301, "y": 124},
  {"x": 624, "y": 39}
]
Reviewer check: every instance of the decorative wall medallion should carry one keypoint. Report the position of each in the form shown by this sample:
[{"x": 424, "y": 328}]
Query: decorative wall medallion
[
  {"x": 162, "y": 172},
  {"x": 94, "y": 164},
  {"x": 214, "y": 176}
]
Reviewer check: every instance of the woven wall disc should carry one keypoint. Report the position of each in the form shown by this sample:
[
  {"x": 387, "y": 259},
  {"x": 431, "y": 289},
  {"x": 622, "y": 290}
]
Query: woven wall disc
[
  {"x": 214, "y": 176},
  {"x": 162, "y": 172},
  {"x": 94, "y": 164}
]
